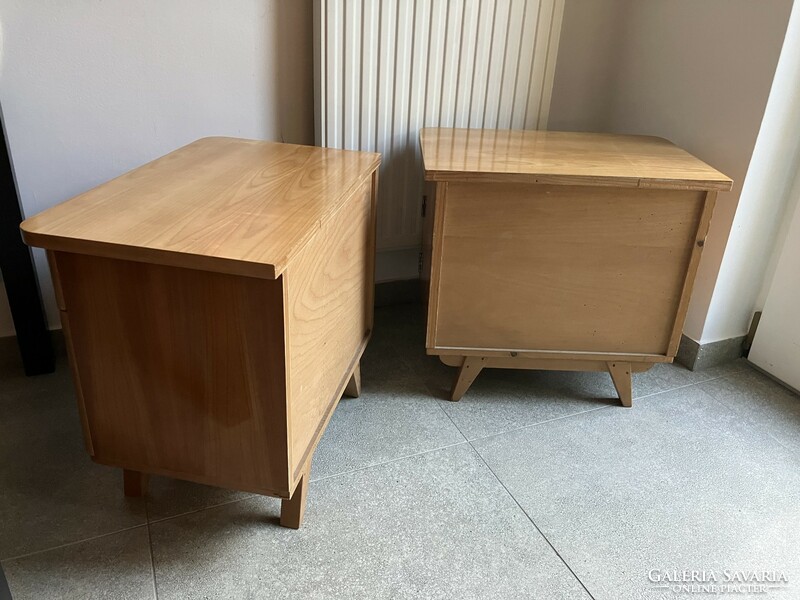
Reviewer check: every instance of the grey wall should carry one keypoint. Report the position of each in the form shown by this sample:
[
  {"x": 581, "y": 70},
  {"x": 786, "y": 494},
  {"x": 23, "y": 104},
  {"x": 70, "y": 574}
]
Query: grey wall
[{"x": 94, "y": 88}]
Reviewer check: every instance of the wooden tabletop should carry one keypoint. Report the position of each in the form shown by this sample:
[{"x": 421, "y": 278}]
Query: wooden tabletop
[
  {"x": 564, "y": 158},
  {"x": 220, "y": 204}
]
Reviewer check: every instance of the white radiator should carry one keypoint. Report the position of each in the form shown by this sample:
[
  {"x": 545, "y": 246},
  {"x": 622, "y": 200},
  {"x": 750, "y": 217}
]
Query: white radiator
[{"x": 386, "y": 68}]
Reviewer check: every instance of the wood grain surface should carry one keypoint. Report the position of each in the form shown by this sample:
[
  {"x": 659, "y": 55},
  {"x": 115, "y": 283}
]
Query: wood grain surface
[
  {"x": 181, "y": 371},
  {"x": 564, "y": 158},
  {"x": 555, "y": 250},
  {"x": 218, "y": 204},
  {"x": 563, "y": 267},
  {"x": 328, "y": 319}
]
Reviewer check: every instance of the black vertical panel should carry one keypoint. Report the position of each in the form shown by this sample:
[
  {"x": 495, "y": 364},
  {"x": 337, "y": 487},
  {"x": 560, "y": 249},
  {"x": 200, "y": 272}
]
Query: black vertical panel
[
  {"x": 5, "y": 593},
  {"x": 22, "y": 288}
]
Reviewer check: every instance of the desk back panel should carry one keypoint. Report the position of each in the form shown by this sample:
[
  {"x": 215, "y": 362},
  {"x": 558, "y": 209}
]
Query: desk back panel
[{"x": 563, "y": 268}]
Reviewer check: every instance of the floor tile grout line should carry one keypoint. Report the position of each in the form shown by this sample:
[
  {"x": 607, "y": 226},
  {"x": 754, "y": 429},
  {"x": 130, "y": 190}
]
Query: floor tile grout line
[
  {"x": 390, "y": 461},
  {"x": 751, "y": 422},
  {"x": 209, "y": 507},
  {"x": 408, "y": 456},
  {"x": 454, "y": 424},
  {"x": 680, "y": 387},
  {"x": 510, "y": 495},
  {"x": 150, "y": 546},
  {"x": 532, "y": 425},
  {"x": 441, "y": 405},
  {"x": 333, "y": 476},
  {"x": 544, "y": 537},
  {"x": 424, "y": 382},
  {"x": 582, "y": 412},
  {"x": 68, "y": 544},
  {"x": 528, "y": 516}
]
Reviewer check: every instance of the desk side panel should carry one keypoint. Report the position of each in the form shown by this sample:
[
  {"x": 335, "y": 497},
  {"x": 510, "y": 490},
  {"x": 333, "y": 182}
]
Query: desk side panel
[
  {"x": 563, "y": 268},
  {"x": 181, "y": 371},
  {"x": 329, "y": 317}
]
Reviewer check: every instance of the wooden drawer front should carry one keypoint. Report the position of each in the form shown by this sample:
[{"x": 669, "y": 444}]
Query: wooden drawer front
[
  {"x": 565, "y": 268},
  {"x": 181, "y": 371}
]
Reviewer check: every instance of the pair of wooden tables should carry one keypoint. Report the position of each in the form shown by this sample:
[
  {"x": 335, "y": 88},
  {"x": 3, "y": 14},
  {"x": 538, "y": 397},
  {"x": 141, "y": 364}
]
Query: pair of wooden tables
[{"x": 216, "y": 302}]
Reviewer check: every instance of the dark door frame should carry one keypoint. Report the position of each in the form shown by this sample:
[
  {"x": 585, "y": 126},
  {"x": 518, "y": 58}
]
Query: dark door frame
[{"x": 19, "y": 275}]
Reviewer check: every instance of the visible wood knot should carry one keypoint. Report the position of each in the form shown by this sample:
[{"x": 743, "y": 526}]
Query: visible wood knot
[
  {"x": 513, "y": 354},
  {"x": 701, "y": 243}
]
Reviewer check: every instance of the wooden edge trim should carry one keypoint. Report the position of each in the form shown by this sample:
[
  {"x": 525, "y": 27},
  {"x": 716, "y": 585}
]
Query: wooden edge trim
[
  {"x": 717, "y": 185},
  {"x": 542, "y": 178},
  {"x": 76, "y": 379},
  {"x": 694, "y": 262},
  {"x": 579, "y": 180},
  {"x": 213, "y": 481},
  {"x": 54, "y": 275},
  {"x": 182, "y": 260},
  {"x": 284, "y": 283},
  {"x": 550, "y": 354},
  {"x": 436, "y": 263},
  {"x": 372, "y": 249},
  {"x": 544, "y": 364}
]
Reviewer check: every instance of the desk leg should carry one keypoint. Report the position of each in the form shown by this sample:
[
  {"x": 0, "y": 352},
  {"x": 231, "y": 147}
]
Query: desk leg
[
  {"x": 621, "y": 376},
  {"x": 469, "y": 370},
  {"x": 353, "y": 388},
  {"x": 293, "y": 509},
  {"x": 134, "y": 483}
]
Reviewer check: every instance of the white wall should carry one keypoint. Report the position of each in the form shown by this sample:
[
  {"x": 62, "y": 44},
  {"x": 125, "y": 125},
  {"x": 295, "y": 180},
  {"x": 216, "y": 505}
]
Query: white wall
[
  {"x": 764, "y": 214},
  {"x": 94, "y": 88},
  {"x": 776, "y": 347},
  {"x": 696, "y": 73}
]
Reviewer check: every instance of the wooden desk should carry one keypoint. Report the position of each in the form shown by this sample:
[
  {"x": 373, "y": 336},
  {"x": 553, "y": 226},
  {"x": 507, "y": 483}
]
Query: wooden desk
[
  {"x": 571, "y": 251},
  {"x": 216, "y": 303}
]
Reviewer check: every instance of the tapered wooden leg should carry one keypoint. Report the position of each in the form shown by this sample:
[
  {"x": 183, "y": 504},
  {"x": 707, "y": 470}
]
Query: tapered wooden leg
[
  {"x": 353, "y": 388},
  {"x": 134, "y": 483},
  {"x": 469, "y": 370},
  {"x": 621, "y": 376},
  {"x": 293, "y": 509}
]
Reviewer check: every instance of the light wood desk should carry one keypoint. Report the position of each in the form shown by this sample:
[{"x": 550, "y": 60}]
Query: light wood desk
[
  {"x": 216, "y": 303},
  {"x": 571, "y": 251}
]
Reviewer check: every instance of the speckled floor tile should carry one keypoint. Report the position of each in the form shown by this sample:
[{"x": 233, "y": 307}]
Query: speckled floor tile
[
  {"x": 51, "y": 493},
  {"x": 382, "y": 426},
  {"x": 504, "y": 399},
  {"x": 113, "y": 567},
  {"x": 437, "y": 525},
  {"x": 167, "y": 497},
  {"x": 678, "y": 482},
  {"x": 774, "y": 409},
  {"x": 702, "y": 477}
]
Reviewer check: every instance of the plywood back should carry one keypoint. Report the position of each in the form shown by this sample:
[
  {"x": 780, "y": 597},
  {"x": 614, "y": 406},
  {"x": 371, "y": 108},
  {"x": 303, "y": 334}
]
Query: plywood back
[
  {"x": 329, "y": 317},
  {"x": 192, "y": 363},
  {"x": 565, "y": 268}
]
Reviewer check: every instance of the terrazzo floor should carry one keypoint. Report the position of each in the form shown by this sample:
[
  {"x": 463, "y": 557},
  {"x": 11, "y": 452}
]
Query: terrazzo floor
[{"x": 535, "y": 485}]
